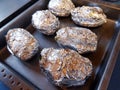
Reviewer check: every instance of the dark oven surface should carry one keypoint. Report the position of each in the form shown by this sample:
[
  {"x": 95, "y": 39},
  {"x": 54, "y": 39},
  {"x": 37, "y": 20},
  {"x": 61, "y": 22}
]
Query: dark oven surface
[{"x": 102, "y": 59}]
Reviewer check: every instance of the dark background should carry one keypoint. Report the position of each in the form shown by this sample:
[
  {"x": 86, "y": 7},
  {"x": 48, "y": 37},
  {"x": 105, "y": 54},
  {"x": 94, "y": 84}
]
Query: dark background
[{"x": 115, "y": 79}]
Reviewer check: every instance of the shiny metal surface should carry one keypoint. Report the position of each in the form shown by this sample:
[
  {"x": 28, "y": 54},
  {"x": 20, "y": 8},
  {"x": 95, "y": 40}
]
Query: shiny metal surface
[{"x": 7, "y": 7}]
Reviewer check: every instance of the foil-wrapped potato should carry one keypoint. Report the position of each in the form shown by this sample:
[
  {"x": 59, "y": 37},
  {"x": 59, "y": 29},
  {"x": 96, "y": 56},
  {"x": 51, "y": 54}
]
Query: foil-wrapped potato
[
  {"x": 88, "y": 16},
  {"x": 65, "y": 67},
  {"x": 21, "y": 43},
  {"x": 61, "y": 7},
  {"x": 82, "y": 40},
  {"x": 45, "y": 22}
]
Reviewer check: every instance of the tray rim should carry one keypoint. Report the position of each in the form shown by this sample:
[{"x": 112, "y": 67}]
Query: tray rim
[
  {"x": 107, "y": 73},
  {"x": 104, "y": 3}
]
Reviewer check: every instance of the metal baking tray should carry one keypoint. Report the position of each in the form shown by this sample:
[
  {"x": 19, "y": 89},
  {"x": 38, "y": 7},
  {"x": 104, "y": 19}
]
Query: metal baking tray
[{"x": 103, "y": 59}]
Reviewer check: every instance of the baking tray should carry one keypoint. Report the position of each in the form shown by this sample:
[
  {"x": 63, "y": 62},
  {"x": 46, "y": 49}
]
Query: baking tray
[{"x": 103, "y": 59}]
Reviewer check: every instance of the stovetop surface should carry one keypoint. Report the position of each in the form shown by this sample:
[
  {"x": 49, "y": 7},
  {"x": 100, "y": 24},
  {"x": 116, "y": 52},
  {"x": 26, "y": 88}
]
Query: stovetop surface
[{"x": 7, "y": 7}]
